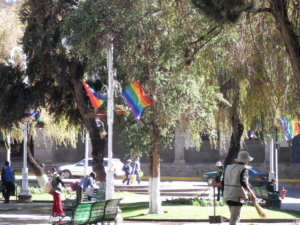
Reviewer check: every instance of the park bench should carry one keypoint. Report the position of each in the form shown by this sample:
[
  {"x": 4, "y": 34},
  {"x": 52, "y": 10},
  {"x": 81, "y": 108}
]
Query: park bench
[
  {"x": 70, "y": 202},
  {"x": 102, "y": 212},
  {"x": 271, "y": 199}
]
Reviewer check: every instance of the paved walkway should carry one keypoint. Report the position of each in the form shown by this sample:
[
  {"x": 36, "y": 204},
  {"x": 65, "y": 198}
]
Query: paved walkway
[{"x": 39, "y": 213}]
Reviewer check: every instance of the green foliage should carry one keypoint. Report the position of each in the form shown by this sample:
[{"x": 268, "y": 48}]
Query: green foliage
[
  {"x": 192, "y": 72},
  {"x": 48, "y": 67},
  {"x": 223, "y": 11},
  {"x": 87, "y": 29},
  {"x": 10, "y": 31},
  {"x": 184, "y": 98},
  {"x": 250, "y": 60},
  {"x": 35, "y": 190},
  {"x": 13, "y": 91},
  {"x": 139, "y": 28},
  {"x": 194, "y": 201},
  {"x": 48, "y": 71}
]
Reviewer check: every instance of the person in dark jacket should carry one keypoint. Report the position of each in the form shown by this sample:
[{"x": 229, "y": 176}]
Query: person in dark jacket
[
  {"x": 8, "y": 179},
  {"x": 128, "y": 170},
  {"x": 271, "y": 186},
  {"x": 218, "y": 179}
]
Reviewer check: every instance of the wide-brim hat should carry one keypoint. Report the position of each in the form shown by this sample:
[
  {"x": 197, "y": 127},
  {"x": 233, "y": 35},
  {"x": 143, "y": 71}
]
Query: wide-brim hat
[
  {"x": 243, "y": 157},
  {"x": 219, "y": 164},
  {"x": 129, "y": 160}
]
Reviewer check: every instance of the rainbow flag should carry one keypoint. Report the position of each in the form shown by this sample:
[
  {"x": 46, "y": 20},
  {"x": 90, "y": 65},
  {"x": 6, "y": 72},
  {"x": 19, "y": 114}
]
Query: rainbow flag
[
  {"x": 97, "y": 99},
  {"x": 136, "y": 99},
  {"x": 35, "y": 114},
  {"x": 254, "y": 127},
  {"x": 290, "y": 128}
]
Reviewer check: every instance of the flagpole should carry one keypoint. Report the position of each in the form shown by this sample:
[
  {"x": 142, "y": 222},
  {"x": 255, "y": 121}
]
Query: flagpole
[{"x": 110, "y": 120}]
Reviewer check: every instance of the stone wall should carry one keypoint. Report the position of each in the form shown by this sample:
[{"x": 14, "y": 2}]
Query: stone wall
[{"x": 285, "y": 170}]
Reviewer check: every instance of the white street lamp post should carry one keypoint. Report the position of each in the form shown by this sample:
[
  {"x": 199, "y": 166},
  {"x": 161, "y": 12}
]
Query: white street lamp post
[
  {"x": 87, "y": 139},
  {"x": 8, "y": 150},
  {"x": 110, "y": 121},
  {"x": 25, "y": 196}
]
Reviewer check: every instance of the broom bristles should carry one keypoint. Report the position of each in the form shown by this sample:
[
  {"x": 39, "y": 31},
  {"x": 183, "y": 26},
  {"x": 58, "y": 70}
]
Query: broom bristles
[{"x": 259, "y": 210}]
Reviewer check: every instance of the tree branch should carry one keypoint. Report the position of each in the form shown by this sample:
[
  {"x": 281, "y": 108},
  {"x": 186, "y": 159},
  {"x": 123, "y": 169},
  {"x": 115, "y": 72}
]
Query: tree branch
[
  {"x": 203, "y": 36},
  {"x": 261, "y": 10}
]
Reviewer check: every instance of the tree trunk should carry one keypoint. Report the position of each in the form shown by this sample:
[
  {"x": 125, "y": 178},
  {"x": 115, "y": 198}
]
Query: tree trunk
[
  {"x": 236, "y": 124},
  {"x": 289, "y": 36},
  {"x": 38, "y": 171},
  {"x": 98, "y": 144},
  {"x": 154, "y": 165},
  {"x": 235, "y": 140},
  {"x": 154, "y": 174}
]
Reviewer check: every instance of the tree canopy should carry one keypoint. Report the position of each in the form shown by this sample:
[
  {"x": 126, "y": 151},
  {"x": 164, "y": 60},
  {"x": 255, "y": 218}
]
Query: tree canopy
[{"x": 206, "y": 66}]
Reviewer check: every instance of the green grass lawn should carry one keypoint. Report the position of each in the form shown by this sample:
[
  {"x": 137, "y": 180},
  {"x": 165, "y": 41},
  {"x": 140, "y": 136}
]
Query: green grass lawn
[
  {"x": 139, "y": 208},
  {"x": 185, "y": 212},
  {"x": 42, "y": 196}
]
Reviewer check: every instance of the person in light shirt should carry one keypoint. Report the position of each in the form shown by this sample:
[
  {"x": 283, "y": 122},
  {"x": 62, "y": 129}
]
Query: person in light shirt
[{"x": 236, "y": 185}]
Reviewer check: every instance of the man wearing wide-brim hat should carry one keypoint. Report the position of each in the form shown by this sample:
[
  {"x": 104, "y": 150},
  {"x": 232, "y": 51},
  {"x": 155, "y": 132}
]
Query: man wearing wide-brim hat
[{"x": 236, "y": 184}]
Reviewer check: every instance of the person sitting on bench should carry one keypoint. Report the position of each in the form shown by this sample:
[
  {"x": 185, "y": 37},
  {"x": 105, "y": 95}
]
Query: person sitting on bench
[{"x": 271, "y": 186}]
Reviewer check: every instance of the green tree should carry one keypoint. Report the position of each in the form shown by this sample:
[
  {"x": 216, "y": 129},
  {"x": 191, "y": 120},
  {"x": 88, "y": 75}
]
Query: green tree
[
  {"x": 285, "y": 16},
  {"x": 54, "y": 76},
  {"x": 148, "y": 38},
  {"x": 10, "y": 31},
  {"x": 15, "y": 98}
]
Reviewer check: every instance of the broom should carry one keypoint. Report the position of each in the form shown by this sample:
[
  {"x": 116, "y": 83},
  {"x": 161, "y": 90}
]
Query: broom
[
  {"x": 259, "y": 210},
  {"x": 257, "y": 206}
]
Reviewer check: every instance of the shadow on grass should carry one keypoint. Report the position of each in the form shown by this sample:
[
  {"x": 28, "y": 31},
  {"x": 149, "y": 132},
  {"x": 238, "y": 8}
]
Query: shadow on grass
[
  {"x": 129, "y": 207},
  {"x": 139, "y": 210}
]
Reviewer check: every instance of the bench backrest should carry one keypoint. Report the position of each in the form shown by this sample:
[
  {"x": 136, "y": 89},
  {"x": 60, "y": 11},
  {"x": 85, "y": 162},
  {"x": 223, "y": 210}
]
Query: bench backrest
[
  {"x": 93, "y": 212},
  {"x": 111, "y": 209},
  {"x": 82, "y": 212},
  {"x": 97, "y": 211}
]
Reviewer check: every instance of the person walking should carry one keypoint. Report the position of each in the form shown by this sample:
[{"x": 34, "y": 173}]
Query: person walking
[
  {"x": 236, "y": 184},
  {"x": 57, "y": 184},
  {"x": 8, "y": 179},
  {"x": 128, "y": 170},
  {"x": 86, "y": 182},
  {"x": 137, "y": 169},
  {"x": 218, "y": 179}
]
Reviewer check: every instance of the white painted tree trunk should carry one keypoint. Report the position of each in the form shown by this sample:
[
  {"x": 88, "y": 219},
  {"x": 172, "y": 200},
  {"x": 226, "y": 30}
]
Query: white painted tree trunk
[
  {"x": 42, "y": 180},
  {"x": 154, "y": 195}
]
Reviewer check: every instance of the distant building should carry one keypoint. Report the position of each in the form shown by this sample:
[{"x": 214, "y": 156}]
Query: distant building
[{"x": 6, "y": 3}]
